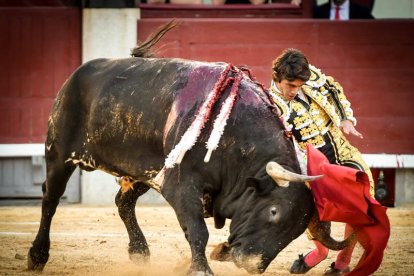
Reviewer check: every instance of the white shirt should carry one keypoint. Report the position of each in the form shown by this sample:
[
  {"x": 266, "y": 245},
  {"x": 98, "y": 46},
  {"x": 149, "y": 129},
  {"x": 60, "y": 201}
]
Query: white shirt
[{"x": 343, "y": 12}]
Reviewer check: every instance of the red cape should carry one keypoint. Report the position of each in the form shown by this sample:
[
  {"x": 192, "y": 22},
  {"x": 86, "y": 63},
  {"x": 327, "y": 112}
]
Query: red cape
[{"x": 343, "y": 195}]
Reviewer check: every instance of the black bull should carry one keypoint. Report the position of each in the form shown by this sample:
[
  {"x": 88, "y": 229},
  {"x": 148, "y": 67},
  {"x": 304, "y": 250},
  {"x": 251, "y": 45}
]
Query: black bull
[{"x": 124, "y": 116}]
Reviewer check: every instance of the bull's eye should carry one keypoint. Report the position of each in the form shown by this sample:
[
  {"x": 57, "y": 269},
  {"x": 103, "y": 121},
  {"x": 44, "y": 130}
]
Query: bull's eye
[{"x": 274, "y": 214}]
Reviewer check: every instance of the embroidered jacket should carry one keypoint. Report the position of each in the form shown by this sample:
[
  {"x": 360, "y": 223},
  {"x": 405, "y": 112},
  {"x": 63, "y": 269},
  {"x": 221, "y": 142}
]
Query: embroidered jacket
[{"x": 326, "y": 107}]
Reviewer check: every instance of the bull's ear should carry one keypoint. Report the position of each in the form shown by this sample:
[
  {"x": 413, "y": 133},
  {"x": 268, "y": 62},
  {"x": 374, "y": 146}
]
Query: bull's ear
[{"x": 263, "y": 186}]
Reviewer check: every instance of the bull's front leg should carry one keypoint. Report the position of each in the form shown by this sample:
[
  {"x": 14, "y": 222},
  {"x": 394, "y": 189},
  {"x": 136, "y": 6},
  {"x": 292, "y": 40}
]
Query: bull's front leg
[{"x": 188, "y": 207}]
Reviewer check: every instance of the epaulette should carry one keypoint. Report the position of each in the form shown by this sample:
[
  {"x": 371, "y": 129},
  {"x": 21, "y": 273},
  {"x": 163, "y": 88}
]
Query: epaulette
[{"x": 317, "y": 78}]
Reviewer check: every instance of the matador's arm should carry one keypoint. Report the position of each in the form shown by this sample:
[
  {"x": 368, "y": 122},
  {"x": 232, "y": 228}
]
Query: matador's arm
[{"x": 338, "y": 99}]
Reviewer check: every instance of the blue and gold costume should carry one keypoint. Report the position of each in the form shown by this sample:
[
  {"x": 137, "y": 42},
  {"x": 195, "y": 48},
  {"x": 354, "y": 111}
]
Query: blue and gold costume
[{"x": 315, "y": 119}]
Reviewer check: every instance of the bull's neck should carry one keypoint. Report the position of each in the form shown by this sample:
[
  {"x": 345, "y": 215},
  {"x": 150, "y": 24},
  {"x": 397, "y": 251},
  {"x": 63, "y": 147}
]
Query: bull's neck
[{"x": 235, "y": 195}]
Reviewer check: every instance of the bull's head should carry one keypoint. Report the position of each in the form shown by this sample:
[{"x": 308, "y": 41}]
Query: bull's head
[{"x": 269, "y": 217}]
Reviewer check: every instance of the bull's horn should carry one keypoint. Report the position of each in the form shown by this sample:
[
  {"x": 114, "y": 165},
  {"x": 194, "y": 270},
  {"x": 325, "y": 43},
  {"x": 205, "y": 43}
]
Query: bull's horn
[{"x": 282, "y": 176}]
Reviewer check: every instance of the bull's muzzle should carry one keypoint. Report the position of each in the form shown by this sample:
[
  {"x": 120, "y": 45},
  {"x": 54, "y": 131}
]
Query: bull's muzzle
[
  {"x": 282, "y": 176},
  {"x": 253, "y": 264}
]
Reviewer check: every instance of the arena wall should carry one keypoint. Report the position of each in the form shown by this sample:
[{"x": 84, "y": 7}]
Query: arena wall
[{"x": 373, "y": 61}]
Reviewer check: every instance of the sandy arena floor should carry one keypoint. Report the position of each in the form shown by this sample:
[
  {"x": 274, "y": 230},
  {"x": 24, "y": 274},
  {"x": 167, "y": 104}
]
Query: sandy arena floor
[{"x": 93, "y": 241}]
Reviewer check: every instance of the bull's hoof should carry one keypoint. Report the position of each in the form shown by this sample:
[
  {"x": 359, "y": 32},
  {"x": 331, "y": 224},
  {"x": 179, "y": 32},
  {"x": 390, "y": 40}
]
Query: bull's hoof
[
  {"x": 139, "y": 259},
  {"x": 36, "y": 261},
  {"x": 200, "y": 273},
  {"x": 221, "y": 252},
  {"x": 138, "y": 255},
  {"x": 200, "y": 269}
]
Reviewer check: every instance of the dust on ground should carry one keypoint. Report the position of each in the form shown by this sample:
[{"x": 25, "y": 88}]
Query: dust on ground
[{"x": 93, "y": 241}]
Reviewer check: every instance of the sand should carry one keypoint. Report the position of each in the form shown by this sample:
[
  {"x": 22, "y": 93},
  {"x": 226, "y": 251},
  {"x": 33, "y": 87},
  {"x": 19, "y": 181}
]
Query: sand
[{"x": 93, "y": 241}]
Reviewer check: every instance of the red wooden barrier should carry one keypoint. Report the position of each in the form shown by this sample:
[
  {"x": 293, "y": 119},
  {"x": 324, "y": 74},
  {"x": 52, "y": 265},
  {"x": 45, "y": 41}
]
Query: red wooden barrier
[
  {"x": 40, "y": 48},
  {"x": 373, "y": 60}
]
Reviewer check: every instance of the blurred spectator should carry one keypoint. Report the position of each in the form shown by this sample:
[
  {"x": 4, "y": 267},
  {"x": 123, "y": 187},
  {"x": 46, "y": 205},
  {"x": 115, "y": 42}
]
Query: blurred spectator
[
  {"x": 343, "y": 10},
  {"x": 254, "y": 2},
  {"x": 155, "y": 1},
  {"x": 222, "y": 2},
  {"x": 187, "y": 2},
  {"x": 111, "y": 4}
]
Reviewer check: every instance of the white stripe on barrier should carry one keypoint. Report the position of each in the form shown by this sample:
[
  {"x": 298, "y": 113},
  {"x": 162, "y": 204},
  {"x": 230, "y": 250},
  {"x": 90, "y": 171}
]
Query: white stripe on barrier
[{"x": 373, "y": 160}]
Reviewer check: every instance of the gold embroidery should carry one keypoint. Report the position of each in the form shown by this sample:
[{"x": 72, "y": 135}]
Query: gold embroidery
[
  {"x": 298, "y": 108},
  {"x": 302, "y": 121},
  {"x": 304, "y": 132},
  {"x": 281, "y": 104},
  {"x": 317, "y": 78},
  {"x": 317, "y": 142},
  {"x": 346, "y": 153},
  {"x": 342, "y": 102},
  {"x": 323, "y": 103}
]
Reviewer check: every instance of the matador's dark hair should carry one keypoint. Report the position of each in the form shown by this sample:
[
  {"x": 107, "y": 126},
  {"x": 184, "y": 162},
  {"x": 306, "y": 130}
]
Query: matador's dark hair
[{"x": 291, "y": 65}]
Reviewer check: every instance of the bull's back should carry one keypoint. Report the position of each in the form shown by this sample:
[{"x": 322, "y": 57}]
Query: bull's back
[
  {"x": 117, "y": 110},
  {"x": 129, "y": 100}
]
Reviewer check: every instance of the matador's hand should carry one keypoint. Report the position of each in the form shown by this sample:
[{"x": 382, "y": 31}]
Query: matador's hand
[{"x": 348, "y": 128}]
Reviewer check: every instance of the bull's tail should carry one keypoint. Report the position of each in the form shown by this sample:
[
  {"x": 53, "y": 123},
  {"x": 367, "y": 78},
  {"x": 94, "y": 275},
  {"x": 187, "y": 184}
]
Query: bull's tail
[
  {"x": 321, "y": 231},
  {"x": 144, "y": 49}
]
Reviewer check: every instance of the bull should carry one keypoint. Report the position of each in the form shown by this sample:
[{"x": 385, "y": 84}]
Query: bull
[{"x": 124, "y": 116}]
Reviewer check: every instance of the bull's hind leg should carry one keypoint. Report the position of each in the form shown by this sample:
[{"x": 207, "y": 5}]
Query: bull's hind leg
[
  {"x": 53, "y": 188},
  {"x": 125, "y": 200}
]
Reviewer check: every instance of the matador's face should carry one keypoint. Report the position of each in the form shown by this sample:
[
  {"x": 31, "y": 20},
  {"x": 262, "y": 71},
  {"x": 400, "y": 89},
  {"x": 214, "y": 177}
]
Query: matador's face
[{"x": 290, "y": 89}]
